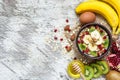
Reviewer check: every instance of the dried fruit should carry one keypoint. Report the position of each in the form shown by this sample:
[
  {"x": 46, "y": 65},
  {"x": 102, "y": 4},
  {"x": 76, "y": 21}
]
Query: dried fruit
[
  {"x": 61, "y": 39},
  {"x": 72, "y": 38},
  {"x": 67, "y": 20},
  {"x": 55, "y": 38},
  {"x": 55, "y": 30}
]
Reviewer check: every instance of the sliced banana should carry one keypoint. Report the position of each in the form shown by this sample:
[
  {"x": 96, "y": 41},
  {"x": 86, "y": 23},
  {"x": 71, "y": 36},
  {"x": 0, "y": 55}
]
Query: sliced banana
[
  {"x": 100, "y": 41},
  {"x": 95, "y": 34},
  {"x": 87, "y": 39},
  {"x": 92, "y": 47}
]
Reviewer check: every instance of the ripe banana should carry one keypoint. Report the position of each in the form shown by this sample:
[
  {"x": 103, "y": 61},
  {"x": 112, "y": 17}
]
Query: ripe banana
[
  {"x": 95, "y": 34},
  {"x": 100, "y": 41},
  {"x": 116, "y": 5},
  {"x": 87, "y": 39},
  {"x": 92, "y": 47},
  {"x": 101, "y": 8}
]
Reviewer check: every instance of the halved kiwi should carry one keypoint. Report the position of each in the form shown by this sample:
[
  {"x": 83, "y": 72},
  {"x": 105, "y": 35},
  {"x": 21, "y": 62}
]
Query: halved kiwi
[
  {"x": 89, "y": 72},
  {"x": 97, "y": 70},
  {"x": 104, "y": 66}
]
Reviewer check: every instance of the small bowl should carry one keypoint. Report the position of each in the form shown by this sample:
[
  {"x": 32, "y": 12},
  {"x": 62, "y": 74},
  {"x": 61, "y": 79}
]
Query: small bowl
[{"x": 109, "y": 38}]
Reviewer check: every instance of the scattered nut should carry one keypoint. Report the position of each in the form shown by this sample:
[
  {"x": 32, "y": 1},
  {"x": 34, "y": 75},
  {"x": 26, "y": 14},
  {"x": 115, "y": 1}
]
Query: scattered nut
[
  {"x": 68, "y": 48},
  {"x": 67, "y": 28},
  {"x": 72, "y": 38}
]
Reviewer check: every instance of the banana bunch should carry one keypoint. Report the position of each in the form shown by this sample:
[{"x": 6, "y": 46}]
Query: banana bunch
[{"x": 101, "y": 7}]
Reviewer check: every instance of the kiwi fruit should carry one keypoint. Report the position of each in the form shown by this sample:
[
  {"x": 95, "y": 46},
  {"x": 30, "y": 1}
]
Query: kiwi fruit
[
  {"x": 104, "y": 66},
  {"x": 97, "y": 70},
  {"x": 92, "y": 29},
  {"x": 106, "y": 43},
  {"x": 82, "y": 46},
  {"x": 93, "y": 53},
  {"x": 89, "y": 72}
]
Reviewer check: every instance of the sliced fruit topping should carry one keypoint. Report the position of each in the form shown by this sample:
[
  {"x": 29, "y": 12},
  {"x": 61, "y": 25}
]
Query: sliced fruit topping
[
  {"x": 82, "y": 46},
  {"x": 87, "y": 39},
  {"x": 92, "y": 47},
  {"x": 94, "y": 53},
  {"x": 89, "y": 72},
  {"x": 106, "y": 43},
  {"x": 97, "y": 70},
  {"x": 100, "y": 41},
  {"x": 95, "y": 34},
  {"x": 92, "y": 29}
]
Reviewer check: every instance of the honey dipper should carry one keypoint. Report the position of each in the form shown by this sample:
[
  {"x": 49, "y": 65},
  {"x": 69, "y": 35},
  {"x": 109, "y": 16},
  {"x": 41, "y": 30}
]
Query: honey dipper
[{"x": 77, "y": 69}]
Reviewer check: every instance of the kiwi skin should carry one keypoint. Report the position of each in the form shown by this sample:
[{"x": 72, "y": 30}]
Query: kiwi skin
[
  {"x": 97, "y": 68},
  {"x": 104, "y": 66},
  {"x": 90, "y": 74}
]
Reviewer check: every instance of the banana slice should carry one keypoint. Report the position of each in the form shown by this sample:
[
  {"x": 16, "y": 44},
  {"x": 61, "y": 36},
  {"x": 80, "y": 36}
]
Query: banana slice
[
  {"x": 95, "y": 34},
  {"x": 100, "y": 41},
  {"x": 87, "y": 39},
  {"x": 92, "y": 47}
]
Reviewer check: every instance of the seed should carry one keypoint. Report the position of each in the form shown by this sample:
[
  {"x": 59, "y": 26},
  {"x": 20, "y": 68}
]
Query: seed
[
  {"x": 61, "y": 39},
  {"x": 67, "y": 20},
  {"x": 55, "y": 30},
  {"x": 55, "y": 38}
]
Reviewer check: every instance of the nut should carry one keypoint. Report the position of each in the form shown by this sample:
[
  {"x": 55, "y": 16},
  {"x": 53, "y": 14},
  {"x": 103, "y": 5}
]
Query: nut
[
  {"x": 68, "y": 48},
  {"x": 72, "y": 38},
  {"x": 67, "y": 28}
]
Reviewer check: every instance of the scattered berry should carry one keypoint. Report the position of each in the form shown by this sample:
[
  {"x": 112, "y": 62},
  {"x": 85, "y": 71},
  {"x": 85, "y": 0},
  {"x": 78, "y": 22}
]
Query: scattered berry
[
  {"x": 67, "y": 20},
  {"x": 75, "y": 58},
  {"x": 55, "y": 38},
  {"x": 55, "y": 30},
  {"x": 61, "y": 39}
]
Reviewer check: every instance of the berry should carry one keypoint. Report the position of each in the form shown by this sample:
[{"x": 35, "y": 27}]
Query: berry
[{"x": 55, "y": 30}]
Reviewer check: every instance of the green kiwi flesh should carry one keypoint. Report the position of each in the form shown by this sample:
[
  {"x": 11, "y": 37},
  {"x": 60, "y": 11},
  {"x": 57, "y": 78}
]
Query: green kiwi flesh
[
  {"x": 97, "y": 70},
  {"x": 89, "y": 72},
  {"x": 104, "y": 66}
]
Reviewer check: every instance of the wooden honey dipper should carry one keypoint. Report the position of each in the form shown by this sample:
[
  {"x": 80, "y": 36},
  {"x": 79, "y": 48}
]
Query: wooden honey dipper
[{"x": 77, "y": 69}]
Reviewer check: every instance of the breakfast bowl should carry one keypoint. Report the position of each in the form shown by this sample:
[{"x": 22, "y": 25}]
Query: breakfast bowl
[{"x": 93, "y": 41}]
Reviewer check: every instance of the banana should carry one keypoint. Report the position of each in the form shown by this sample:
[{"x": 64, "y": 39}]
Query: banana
[
  {"x": 95, "y": 34},
  {"x": 87, "y": 39},
  {"x": 116, "y": 5},
  {"x": 118, "y": 30},
  {"x": 100, "y": 41},
  {"x": 92, "y": 47},
  {"x": 101, "y": 8}
]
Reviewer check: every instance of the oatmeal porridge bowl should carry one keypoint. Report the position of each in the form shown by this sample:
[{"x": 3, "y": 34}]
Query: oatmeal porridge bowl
[{"x": 93, "y": 41}]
